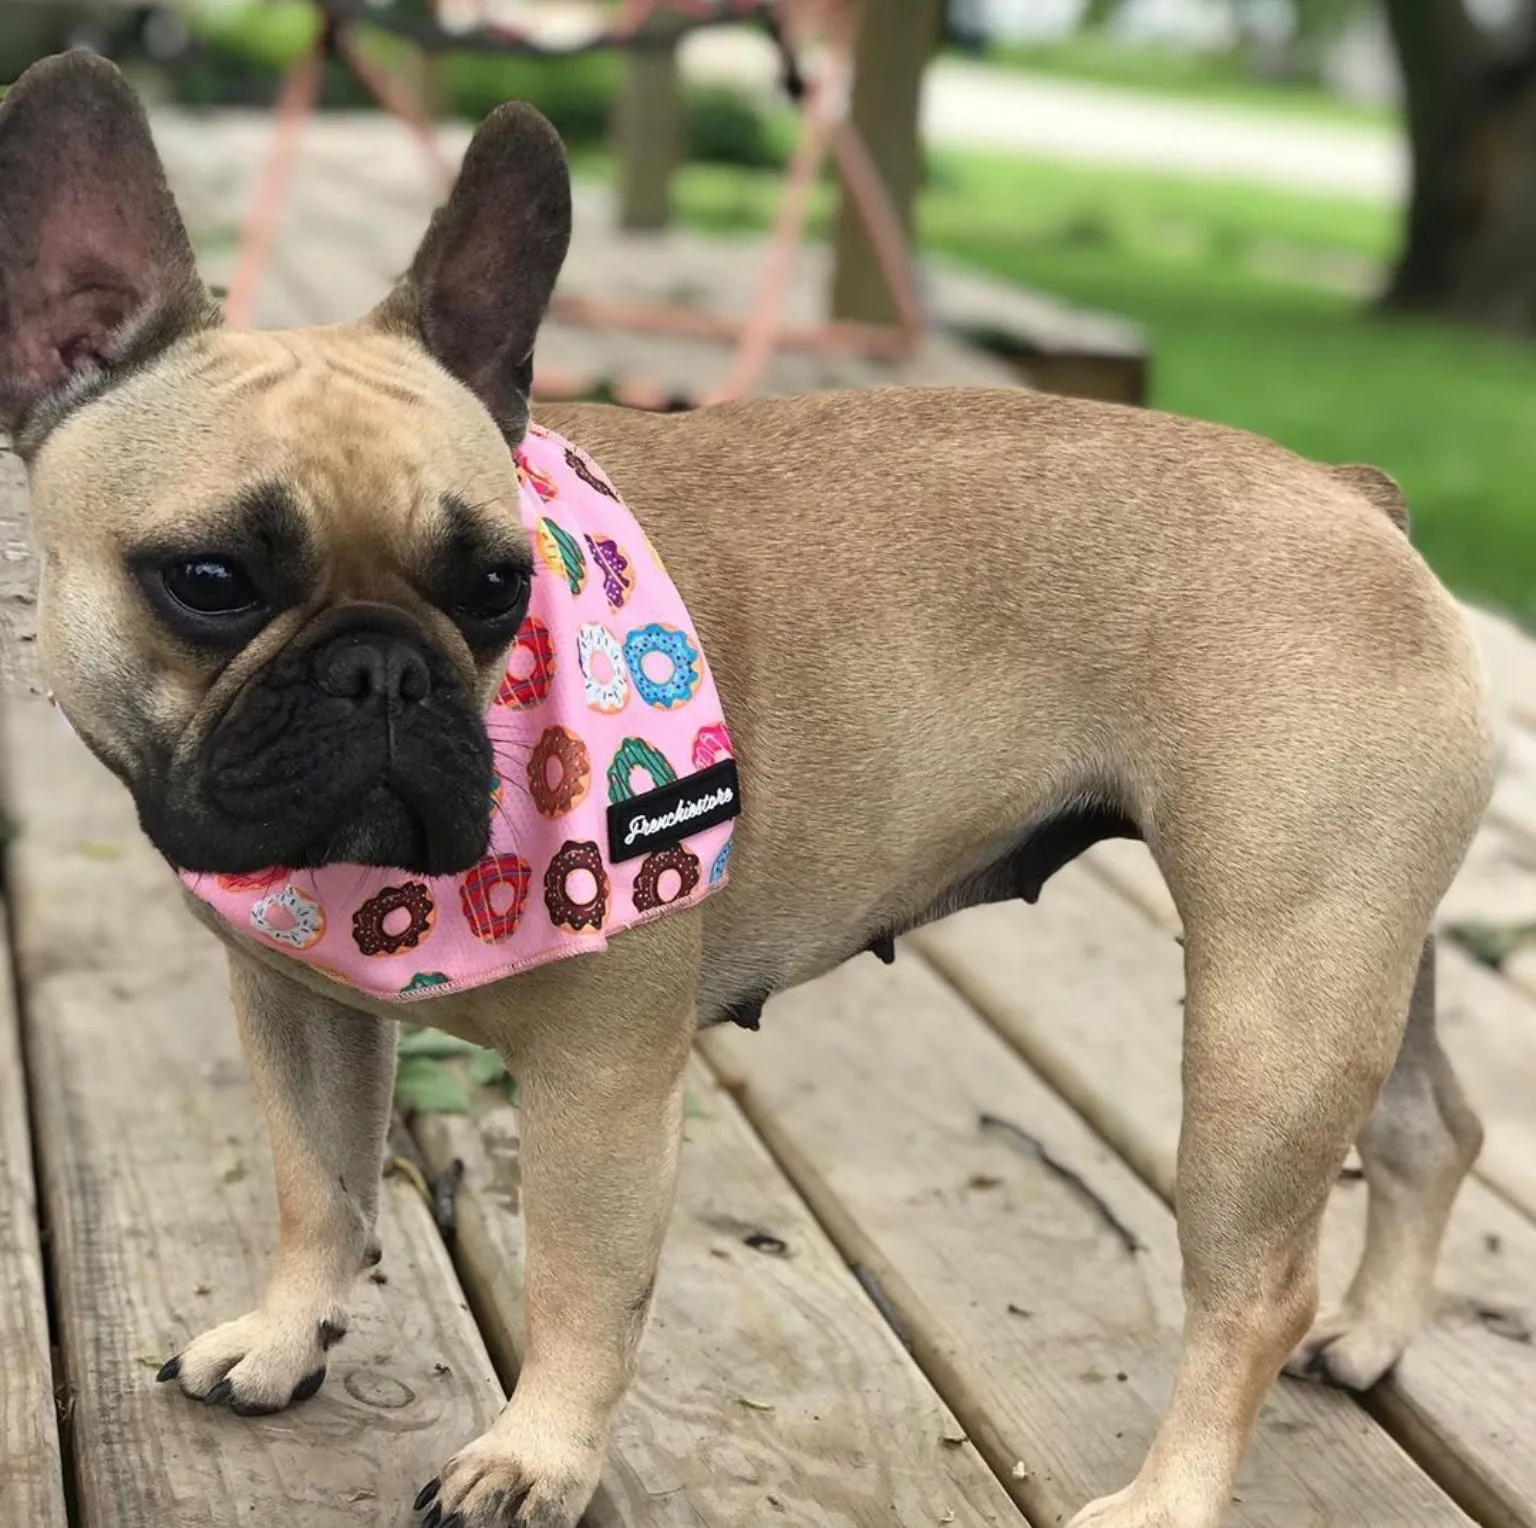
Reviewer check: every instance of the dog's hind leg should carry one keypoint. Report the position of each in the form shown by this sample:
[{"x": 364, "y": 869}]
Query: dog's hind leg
[
  {"x": 1417, "y": 1146},
  {"x": 1293, "y": 1015}
]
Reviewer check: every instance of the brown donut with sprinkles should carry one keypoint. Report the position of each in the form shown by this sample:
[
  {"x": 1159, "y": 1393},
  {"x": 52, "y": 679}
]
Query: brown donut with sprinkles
[
  {"x": 413, "y": 899},
  {"x": 647, "y": 893},
  {"x": 569, "y": 787},
  {"x": 564, "y": 911}
]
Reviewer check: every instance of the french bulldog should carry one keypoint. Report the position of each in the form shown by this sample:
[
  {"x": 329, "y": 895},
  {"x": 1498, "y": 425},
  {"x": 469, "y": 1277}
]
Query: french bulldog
[{"x": 959, "y": 636}]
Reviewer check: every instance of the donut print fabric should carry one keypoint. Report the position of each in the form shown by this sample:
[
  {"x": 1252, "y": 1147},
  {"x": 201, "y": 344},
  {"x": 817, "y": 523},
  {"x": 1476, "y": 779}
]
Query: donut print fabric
[{"x": 607, "y": 700}]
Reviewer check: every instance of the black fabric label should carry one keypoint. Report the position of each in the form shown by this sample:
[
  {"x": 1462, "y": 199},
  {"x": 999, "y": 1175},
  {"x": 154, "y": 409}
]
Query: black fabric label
[{"x": 666, "y": 816}]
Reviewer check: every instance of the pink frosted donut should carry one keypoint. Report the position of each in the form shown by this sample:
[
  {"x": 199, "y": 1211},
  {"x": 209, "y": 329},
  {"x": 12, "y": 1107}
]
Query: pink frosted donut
[{"x": 711, "y": 744}]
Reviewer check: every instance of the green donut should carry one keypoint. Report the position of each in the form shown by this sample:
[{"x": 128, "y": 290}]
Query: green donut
[
  {"x": 635, "y": 753},
  {"x": 561, "y": 553}
]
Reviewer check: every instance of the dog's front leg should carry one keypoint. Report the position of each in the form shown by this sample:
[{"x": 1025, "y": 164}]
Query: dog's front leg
[
  {"x": 324, "y": 1075},
  {"x": 600, "y": 1096}
]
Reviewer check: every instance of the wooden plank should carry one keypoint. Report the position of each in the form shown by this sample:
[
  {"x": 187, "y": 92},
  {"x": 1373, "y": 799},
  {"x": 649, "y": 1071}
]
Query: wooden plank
[
  {"x": 1488, "y": 1025},
  {"x": 31, "y": 1469},
  {"x": 1497, "y": 883},
  {"x": 1053, "y": 1342},
  {"x": 769, "y": 1388},
  {"x": 1088, "y": 989},
  {"x": 1509, "y": 655},
  {"x": 158, "y": 1189}
]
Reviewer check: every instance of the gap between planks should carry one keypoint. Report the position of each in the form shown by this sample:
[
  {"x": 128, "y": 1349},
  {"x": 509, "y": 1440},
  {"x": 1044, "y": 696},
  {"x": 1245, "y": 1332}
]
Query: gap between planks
[{"x": 1087, "y": 989}]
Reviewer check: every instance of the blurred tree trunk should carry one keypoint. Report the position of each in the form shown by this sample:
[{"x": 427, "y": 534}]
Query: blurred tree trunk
[
  {"x": 896, "y": 40},
  {"x": 1469, "y": 243},
  {"x": 649, "y": 126}
]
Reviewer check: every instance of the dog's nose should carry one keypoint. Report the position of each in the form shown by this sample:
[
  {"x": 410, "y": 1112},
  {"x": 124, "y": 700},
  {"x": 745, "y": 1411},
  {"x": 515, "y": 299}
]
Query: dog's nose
[{"x": 366, "y": 665}]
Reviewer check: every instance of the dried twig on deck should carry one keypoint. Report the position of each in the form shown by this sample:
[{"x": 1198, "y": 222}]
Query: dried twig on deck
[{"x": 1085, "y": 1190}]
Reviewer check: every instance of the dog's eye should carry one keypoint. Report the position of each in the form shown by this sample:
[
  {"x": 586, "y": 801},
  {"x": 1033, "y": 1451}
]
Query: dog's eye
[
  {"x": 210, "y": 586},
  {"x": 499, "y": 593}
]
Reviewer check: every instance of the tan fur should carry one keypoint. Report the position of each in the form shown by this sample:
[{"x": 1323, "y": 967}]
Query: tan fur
[{"x": 936, "y": 619}]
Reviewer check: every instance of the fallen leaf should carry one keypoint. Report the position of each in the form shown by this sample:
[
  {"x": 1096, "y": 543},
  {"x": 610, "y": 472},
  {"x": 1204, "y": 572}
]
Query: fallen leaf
[
  {"x": 742, "y": 1400},
  {"x": 1492, "y": 943},
  {"x": 98, "y": 849},
  {"x": 425, "y": 1086},
  {"x": 486, "y": 1068},
  {"x": 434, "y": 1045}
]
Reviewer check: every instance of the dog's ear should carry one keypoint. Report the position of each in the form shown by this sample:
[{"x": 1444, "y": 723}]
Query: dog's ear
[
  {"x": 96, "y": 271},
  {"x": 481, "y": 281},
  {"x": 1379, "y": 487}
]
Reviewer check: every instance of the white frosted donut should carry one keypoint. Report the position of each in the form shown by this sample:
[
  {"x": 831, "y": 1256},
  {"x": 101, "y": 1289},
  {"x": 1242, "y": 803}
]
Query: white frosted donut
[
  {"x": 291, "y": 917},
  {"x": 595, "y": 641}
]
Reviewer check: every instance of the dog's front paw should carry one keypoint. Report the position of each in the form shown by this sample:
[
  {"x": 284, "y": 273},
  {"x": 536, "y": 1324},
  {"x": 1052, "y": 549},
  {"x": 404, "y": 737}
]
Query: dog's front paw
[
  {"x": 1136, "y": 1507},
  {"x": 519, "y": 1473},
  {"x": 258, "y": 1364},
  {"x": 1351, "y": 1351}
]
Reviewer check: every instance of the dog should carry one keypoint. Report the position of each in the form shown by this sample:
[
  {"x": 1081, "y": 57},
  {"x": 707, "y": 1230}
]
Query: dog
[{"x": 957, "y": 636}]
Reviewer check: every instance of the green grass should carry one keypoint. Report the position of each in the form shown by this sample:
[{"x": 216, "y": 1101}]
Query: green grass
[
  {"x": 1216, "y": 77},
  {"x": 1447, "y": 411}
]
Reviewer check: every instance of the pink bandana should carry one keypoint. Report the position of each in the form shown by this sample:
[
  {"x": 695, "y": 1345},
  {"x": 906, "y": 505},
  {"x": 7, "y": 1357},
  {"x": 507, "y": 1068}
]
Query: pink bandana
[{"x": 615, "y": 787}]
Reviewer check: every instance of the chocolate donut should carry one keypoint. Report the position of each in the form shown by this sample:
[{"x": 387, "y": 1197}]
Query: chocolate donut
[
  {"x": 368, "y": 931},
  {"x": 570, "y": 789},
  {"x": 647, "y": 892},
  {"x": 563, "y": 912}
]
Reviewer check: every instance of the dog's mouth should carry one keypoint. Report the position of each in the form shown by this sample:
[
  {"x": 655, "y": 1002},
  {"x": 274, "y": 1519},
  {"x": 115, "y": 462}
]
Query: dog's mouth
[{"x": 387, "y": 831}]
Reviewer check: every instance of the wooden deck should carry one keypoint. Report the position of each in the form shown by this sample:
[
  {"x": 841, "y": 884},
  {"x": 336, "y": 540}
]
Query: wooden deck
[{"x": 874, "y": 1308}]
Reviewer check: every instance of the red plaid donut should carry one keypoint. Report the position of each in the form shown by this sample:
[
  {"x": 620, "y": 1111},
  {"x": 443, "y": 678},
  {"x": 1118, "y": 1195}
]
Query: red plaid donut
[{"x": 523, "y": 690}]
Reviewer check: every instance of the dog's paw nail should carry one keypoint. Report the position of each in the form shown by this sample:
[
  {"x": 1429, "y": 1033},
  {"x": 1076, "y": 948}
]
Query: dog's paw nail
[
  {"x": 434, "y": 1517},
  {"x": 425, "y": 1494},
  {"x": 456, "y": 1521},
  {"x": 331, "y": 1332},
  {"x": 307, "y": 1386},
  {"x": 220, "y": 1393},
  {"x": 1317, "y": 1363},
  {"x": 169, "y": 1370}
]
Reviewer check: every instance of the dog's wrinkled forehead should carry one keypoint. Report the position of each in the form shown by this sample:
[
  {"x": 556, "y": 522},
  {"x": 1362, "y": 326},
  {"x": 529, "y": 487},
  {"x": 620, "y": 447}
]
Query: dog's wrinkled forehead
[{"x": 349, "y": 444}]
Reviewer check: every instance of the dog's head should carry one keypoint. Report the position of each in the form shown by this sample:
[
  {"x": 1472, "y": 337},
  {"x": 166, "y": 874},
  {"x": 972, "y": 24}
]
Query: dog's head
[{"x": 280, "y": 571}]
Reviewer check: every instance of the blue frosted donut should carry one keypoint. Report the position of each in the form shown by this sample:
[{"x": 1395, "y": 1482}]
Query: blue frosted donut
[
  {"x": 679, "y": 686},
  {"x": 722, "y": 859}
]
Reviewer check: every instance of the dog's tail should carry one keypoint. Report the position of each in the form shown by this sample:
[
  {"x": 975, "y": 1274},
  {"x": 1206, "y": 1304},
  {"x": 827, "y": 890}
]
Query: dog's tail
[{"x": 1377, "y": 486}]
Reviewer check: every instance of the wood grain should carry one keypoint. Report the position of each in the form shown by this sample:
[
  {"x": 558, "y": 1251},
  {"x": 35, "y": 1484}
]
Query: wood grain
[
  {"x": 159, "y": 1192},
  {"x": 31, "y": 1469},
  {"x": 769, "y": 1390},
  {"x": 1088, "y": 990},
  {"x": 1053, "y": 1342}
]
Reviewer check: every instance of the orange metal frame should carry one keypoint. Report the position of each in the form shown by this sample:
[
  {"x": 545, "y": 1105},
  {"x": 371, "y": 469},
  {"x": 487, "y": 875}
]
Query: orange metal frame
[{"x": 825, "y": 127}]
